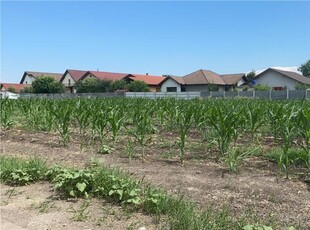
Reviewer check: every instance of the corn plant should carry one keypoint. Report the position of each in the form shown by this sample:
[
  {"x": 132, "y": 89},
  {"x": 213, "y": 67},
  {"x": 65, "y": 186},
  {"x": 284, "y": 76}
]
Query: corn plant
[
  {"x": 81, "y": 114},
  {"x": 225, "y": 123},
  {"x": 6, "y": 113},
  {"x": 254, "y": 116},
  {"x": 304, "y": 130},
  {"x": 183, "y": 121},
  {"x": 287, "y": 130},
  {"x": 142, "y": 126},
  {"x": 62, "y": 113},
  {"x": 115, "y": 119}
]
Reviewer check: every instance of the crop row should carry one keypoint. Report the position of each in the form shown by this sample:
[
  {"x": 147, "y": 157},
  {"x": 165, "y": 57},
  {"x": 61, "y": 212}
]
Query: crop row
[{"x": 224, "y": 123}]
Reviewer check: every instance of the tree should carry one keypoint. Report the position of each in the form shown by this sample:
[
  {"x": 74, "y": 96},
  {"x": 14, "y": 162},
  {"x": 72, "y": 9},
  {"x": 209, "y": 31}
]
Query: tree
[
  {"x": 12, "y": 89},
  {"x": 46, "y": 84},
  {"x": 301, "y": 86},
  {"x": 93, "y": 85},
  {"x": 27, "y": 89},
  {"x": 250, "y": 76},
  {"x": 305, "y": 69},
  {"x": 117, "y": 85},
  {"x": 138, "y": 86}
]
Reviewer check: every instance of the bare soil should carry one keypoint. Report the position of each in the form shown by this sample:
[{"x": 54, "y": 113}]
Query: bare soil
[{"x": 257, "y": 189}]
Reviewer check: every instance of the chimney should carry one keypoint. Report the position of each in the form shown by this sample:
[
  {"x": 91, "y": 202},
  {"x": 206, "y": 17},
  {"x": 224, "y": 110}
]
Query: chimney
[{"x": 147, "y": 74}]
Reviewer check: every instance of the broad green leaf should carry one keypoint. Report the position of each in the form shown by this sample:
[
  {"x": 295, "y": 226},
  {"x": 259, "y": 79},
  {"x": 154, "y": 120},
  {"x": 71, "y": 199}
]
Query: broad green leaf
[{"x": 81, "y": 186}]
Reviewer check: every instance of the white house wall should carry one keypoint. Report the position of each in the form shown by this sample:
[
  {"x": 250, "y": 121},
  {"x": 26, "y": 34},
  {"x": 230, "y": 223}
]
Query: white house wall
[
  {"x": 68, "y": 79},
  {"x": 274, "y": 79},
  {"x": 170, "y": 83},
  {"x": 28, "y": 80},
  {"x": 240, "y": 82}
]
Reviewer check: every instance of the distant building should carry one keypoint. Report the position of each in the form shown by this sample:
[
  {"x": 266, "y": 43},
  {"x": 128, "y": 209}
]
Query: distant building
[
  {"x": 202, "y": 81},
  {"x": 17, "y": 88},
  {"x": 29, "y": 76},
  {"x": 280, "y": 79}
]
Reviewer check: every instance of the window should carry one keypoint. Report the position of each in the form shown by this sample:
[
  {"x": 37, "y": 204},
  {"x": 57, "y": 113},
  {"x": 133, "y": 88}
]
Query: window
[
  {"x": 171, "y": 89},
  {"x": 69, "y": 82},
  {"x": 183, "y": 89}
]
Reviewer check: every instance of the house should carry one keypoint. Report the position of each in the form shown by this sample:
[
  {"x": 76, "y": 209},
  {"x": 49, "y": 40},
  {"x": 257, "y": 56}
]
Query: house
[
  {"x": 172, "y": 84},
  {"x": 109, "y": 76},
  {"x": 70, "y": 77},
  {"x": 202, "y": 81},
  {"x": 29, "y": 76},
  {"x": 280, "y": 79},
  {"x": 17, "y": 88},
  {"x": 234, "y": 80},
  {"x": 154, "y": 82}
]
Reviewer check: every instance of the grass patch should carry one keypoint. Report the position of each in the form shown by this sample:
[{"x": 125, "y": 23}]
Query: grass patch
[
  {"x": 15, "y": 171},
  {"x": 171, "y": 212}
]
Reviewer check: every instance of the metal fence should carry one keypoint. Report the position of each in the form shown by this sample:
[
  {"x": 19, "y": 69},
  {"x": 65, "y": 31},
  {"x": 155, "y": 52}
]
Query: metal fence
[
  {"x": 270, "y": 95},
  {"x": 179, "y": 95}
]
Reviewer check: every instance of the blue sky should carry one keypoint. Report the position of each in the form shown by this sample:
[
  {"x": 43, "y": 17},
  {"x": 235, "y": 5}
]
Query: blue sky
[{"x": 152, "y": 37}]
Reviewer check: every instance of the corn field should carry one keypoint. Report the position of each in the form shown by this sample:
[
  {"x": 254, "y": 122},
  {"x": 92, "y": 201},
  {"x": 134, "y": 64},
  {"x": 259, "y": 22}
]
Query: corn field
[{"x": 225, "y": 126}]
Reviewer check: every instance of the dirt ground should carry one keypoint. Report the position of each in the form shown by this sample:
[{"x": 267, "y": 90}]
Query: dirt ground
[{"x": 257, "y": 188}]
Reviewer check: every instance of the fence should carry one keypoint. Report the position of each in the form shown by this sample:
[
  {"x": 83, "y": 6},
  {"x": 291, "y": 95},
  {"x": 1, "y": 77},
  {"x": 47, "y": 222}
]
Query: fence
[
  {"x": 271, "y": 95},
  {"x": 72, "y": 95},
  {"x": 179, "y": 95}
]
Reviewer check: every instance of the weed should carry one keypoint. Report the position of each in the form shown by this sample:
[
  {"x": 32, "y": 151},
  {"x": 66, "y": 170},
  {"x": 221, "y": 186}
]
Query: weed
[
  {"x": 80, "y": 214},
  {"x": 130, "y": 149},
  {"x": 105, "y": 149}
]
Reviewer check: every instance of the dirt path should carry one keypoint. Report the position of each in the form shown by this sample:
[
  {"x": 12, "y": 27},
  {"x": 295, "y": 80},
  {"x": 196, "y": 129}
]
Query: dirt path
[{"x": 257, "y": 187}]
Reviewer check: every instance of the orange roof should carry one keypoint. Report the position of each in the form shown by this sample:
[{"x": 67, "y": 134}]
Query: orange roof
[
  {"x": 107, "y": 75},
  {"x": 148, "y": 79},
  {"x": 17, "y": 87}
]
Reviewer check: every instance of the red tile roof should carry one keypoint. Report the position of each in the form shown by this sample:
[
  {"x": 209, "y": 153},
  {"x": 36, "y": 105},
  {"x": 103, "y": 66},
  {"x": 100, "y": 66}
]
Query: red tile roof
[
  {"x": 148, "y": 79},
  {"x": 106, "y": 75},
  {"x": 17, "y": 87},
  {"x": 75, "y": 74}
]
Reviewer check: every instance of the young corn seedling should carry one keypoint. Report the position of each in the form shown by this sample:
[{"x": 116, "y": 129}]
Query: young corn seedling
[
  {"x": 116, "y": 120},
  {"x": 62, "y": 114},
  {"x": 184, "y": 120},
  {"x": 6, "y": 113},
  {"x": 142, "y": 126},
  {"x": 304, "y": 130},
  {"x": 287, "y": 131},
  {"x": 225, "y": 124}
]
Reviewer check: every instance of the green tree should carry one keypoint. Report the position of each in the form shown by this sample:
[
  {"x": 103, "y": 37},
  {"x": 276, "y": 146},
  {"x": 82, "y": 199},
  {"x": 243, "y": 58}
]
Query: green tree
[
  {"x": 117, "y": 85},
  {"x": 301, "y": 86},
  {"x": 305, "y": 69},
  {"x": 12, "y": 90},
  {"x": 93, "y": 85},
  {"x": 27, "y": 89},
  {"x": 46, "y": 84},
  {"x": 250, "y": 76},
  {"x": 261, "y": 87},
  {"x": 138, "y": 86}
]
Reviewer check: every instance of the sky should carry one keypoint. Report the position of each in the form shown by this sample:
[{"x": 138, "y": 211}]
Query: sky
[{"x": 154, "y": 37}]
